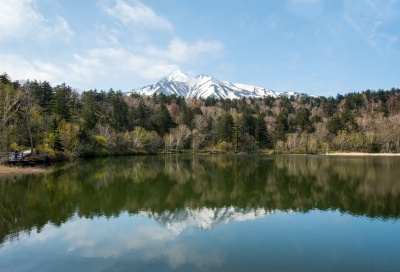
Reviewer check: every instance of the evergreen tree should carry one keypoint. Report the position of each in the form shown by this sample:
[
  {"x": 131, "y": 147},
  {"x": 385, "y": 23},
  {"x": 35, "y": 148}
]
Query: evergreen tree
[
  {"x": 43, "y": 94},
  {"x": 163, "y": 120},
  {"x": 210, "y": 101},
  {"x": 225, "y": 126},
  {"x": 334, "y": 125},
  {"x": 261, "y": 133},
  {"x": 63, "y": 102},
  {"x": 5, "y": 79},
  {"x": 282, "y": 126},
  {"x": 303, "y": 121},
  {"x": 90, "y": 109},
  {"x": 187, "y": 117},
  {"x": 248, "y": 124},
  {"x": 329, "y": 106},
  {"x": 142, "y": 114},
  {"x": 118, "y": 117}
]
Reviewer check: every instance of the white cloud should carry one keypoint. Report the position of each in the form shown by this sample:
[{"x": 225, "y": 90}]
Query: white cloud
[
  {"x": 137, "y": 13},
  {"x": 112, "y": 59},
  {"x": 60, "y": 28},
  {"x": 106, "y": 36},
  {"x": 20, "y": 68},
  {"x": 369, "y": 19},
  {"x": 152, "y": 64},
  {"x": 116, "y": 63},
  {"x": 110, "y": 64},
  {"x": 181, "y": 51},
  {"x": 18, "y": 18},
  {"x": 139, "y": 240}
]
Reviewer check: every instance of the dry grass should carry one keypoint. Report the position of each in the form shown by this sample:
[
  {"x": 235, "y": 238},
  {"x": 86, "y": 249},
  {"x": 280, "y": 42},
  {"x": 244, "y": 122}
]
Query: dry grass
[{"x": 17, "y": 170}]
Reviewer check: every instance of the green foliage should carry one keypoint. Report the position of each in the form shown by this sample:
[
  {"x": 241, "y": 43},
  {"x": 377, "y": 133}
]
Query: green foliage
[
  {"x": 224, "y": 128},
  {"x": 98, "y": 145},
  {"x": 187, "y": 116},
  {"x": 353, "y": 101},
  {"x": 329, "y": 106},
  {"x": 90, "y": 109},
  {"x": 316, "y": 119},
  {"x": 344, "y": 121},
  {"x": 63, "y": 102},
  {"x": 303, "y": 121},
  {"x": 197, "y": 111},
  {"x": 5, "y": 79},
  {"x": 54, "y": 141},
  {"x": 282, "y": 126},
  {"x": 142, "y": 116},
  {"x": 262, "y": 136},
  {"x": 63, "y": 122},
  {"x": 43, "y": 94},
  {"x": 210, "y": 101},
  {"x": 117, "y": 110},
  {"x": 223, "y": 146},
  {"x": 163, "y": 121},
  {"x": 286, "y": 106},
  {"x": 383, "y": 109}
]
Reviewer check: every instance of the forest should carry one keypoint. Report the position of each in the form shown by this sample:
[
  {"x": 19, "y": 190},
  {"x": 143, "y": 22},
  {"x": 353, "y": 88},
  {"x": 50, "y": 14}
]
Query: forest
[{"x": 63, "y": 123}]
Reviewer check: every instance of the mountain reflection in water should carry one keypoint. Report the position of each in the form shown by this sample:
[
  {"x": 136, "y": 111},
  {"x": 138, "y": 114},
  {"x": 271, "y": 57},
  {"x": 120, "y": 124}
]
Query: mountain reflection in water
[
  {"x": 204, "y": 218},
  {"x": 200, "y": 191}
]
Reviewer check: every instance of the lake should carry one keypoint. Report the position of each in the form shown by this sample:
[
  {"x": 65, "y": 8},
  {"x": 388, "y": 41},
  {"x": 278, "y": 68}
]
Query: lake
[{"x": 204, "y": 213}]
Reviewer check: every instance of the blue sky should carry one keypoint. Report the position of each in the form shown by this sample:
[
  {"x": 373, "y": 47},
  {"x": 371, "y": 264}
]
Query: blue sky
[{"x": 320, "y": 47}]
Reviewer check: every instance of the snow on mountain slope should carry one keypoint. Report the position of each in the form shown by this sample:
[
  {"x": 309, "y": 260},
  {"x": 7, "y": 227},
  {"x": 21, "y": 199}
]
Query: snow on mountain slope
[{"x": 205, "y": 86}]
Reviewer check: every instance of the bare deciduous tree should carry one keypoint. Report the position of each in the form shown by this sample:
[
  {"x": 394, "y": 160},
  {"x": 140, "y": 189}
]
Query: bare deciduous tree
[
  {"x": 197, "y": 139},
  {"x": 10, "y": 102},
  {"x": 181, "y": 133}
]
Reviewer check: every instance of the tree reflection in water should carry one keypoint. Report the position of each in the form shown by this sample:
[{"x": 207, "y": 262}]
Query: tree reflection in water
[{"x": 160, "y": 185}]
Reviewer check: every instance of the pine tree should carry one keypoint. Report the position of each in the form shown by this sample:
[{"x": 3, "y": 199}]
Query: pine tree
[
  {"x": 187, "y": 117},
  {"x": 282, "y": 125},
  {"x": 90, "y": 109},
  {"x": 163, "y": 120},
  {"x": 261, "y": 134},
  {"x": 118, "y": 117},
  {"x": 63, "y": 102},
  {"x": 225, "y": 127}
]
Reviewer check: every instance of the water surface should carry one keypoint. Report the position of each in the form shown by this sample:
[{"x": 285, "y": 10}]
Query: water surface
[{"x": 205, "y": 213}]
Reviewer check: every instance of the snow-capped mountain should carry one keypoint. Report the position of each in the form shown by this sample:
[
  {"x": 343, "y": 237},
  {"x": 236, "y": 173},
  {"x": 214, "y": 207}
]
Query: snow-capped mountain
[
  {"x": 205, "y": 86},
  {"x": 204, "y": 218}
]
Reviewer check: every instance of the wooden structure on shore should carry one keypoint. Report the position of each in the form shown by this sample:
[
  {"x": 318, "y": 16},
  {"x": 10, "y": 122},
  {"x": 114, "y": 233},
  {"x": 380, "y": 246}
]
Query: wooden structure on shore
[{"x": 16, "y": 157}]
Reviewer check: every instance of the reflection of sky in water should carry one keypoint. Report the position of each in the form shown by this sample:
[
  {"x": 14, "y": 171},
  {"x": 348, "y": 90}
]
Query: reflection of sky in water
[{"x": 310, "y": 241}]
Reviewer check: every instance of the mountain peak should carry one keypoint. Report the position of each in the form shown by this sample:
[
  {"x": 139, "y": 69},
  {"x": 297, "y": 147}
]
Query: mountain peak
[
  {"x": 180, "y": 84},
  {"x": 202, "y": 76},
  {"x": 177, "y": 75}
]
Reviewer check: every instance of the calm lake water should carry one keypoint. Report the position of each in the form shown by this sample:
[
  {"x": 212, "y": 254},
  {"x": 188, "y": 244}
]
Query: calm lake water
[{"x": 205, "y": 213}]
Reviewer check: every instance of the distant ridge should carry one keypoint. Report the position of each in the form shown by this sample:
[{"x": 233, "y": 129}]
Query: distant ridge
[{"x": 180, "y": 84}]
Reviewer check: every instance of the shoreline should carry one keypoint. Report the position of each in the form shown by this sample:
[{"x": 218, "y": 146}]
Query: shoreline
[
  {"x": 18, "y": 170},
  {"x": 361, "y": 154}
]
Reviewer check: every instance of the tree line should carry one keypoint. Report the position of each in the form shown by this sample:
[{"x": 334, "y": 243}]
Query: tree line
[{"x": 65, "y": 123}]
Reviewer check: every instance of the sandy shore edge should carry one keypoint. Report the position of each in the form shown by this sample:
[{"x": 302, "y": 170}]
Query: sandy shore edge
[
  {"x": 16, "y": 170},
  {"x": 362, "y": 154}
]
